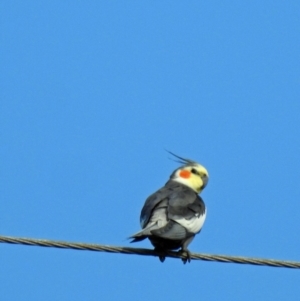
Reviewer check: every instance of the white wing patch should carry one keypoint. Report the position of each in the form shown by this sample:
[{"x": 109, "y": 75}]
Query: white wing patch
[{"x": 194, "y": 224}]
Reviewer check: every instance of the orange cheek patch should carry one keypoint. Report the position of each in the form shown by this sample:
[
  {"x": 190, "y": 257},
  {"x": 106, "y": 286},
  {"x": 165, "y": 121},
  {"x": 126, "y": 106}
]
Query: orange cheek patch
[{"x": 185, "y": 174}]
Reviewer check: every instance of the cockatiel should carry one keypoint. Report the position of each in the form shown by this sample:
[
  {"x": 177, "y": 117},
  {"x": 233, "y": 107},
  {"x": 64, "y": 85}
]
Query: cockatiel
[{"x": 173, "y": 215}]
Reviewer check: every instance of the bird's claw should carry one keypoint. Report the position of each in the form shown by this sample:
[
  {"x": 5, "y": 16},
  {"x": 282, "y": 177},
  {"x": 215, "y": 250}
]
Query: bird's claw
[
  {"x": 160, "y": 254},
  {"x": 186, "y": 256}
]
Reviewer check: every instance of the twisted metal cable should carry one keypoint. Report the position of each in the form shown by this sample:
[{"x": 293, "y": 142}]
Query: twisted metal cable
[{"x": 146, "y": 252}]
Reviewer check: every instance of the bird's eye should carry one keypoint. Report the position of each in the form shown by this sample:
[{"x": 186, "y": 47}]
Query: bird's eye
[{"x": 195, "y": 171}]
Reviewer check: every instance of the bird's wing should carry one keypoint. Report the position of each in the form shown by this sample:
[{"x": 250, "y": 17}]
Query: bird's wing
[
  {"x": 155, "y": 201},
  {"x": 155, "y": 216},
  {"x": 172, "y": 203},
  {"x": 187, "y": 209},
  {"x": 171, "y": 230}
]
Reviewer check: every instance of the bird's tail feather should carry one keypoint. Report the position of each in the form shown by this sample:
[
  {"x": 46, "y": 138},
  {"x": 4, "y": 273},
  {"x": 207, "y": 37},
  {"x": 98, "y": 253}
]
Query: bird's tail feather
[{"x": 144, "y": 233}]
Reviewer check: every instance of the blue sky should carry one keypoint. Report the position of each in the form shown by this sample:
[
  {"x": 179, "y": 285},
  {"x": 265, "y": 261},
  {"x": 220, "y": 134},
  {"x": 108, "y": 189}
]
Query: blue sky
[{"x": 91, "y": 95}]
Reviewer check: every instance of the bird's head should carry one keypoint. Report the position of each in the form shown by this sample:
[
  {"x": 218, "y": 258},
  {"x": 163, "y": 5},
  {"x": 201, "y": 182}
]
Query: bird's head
[{"x": 191, "y": 174}]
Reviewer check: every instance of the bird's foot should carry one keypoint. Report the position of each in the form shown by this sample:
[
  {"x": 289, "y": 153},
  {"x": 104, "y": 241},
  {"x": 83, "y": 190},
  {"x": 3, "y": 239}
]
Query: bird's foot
[
  {"x": 186, "y": 256},
  {"x": 161, "y": 254}
]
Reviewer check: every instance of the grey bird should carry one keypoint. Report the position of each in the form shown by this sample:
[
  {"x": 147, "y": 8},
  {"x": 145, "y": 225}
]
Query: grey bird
[{"x": 173, "y": 215}]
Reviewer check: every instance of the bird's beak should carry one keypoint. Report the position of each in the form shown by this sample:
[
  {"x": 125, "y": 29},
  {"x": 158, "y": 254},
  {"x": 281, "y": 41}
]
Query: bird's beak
[{"x": 204, "y": 180}]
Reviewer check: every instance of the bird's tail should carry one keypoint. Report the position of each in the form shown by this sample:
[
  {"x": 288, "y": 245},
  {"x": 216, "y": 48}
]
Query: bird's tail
[{"x": 141, "y": 235}]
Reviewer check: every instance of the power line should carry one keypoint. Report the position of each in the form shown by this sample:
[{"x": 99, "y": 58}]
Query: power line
[{"x": 146, "y": 252}]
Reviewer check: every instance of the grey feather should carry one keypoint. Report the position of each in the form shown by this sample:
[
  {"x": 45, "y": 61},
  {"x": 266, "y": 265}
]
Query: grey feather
[
  {"x": 162, "y": 209},
  {"x": 186, "y": 204},
  {"x": 144, "y": 232},
  {"x": 152, "y": 201},
  {"x": 181, "y": 160},
  {"x": 182, "y": 201},
  {"x": 171, "y": 217},
  {"x": 171, "y": 230}
]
